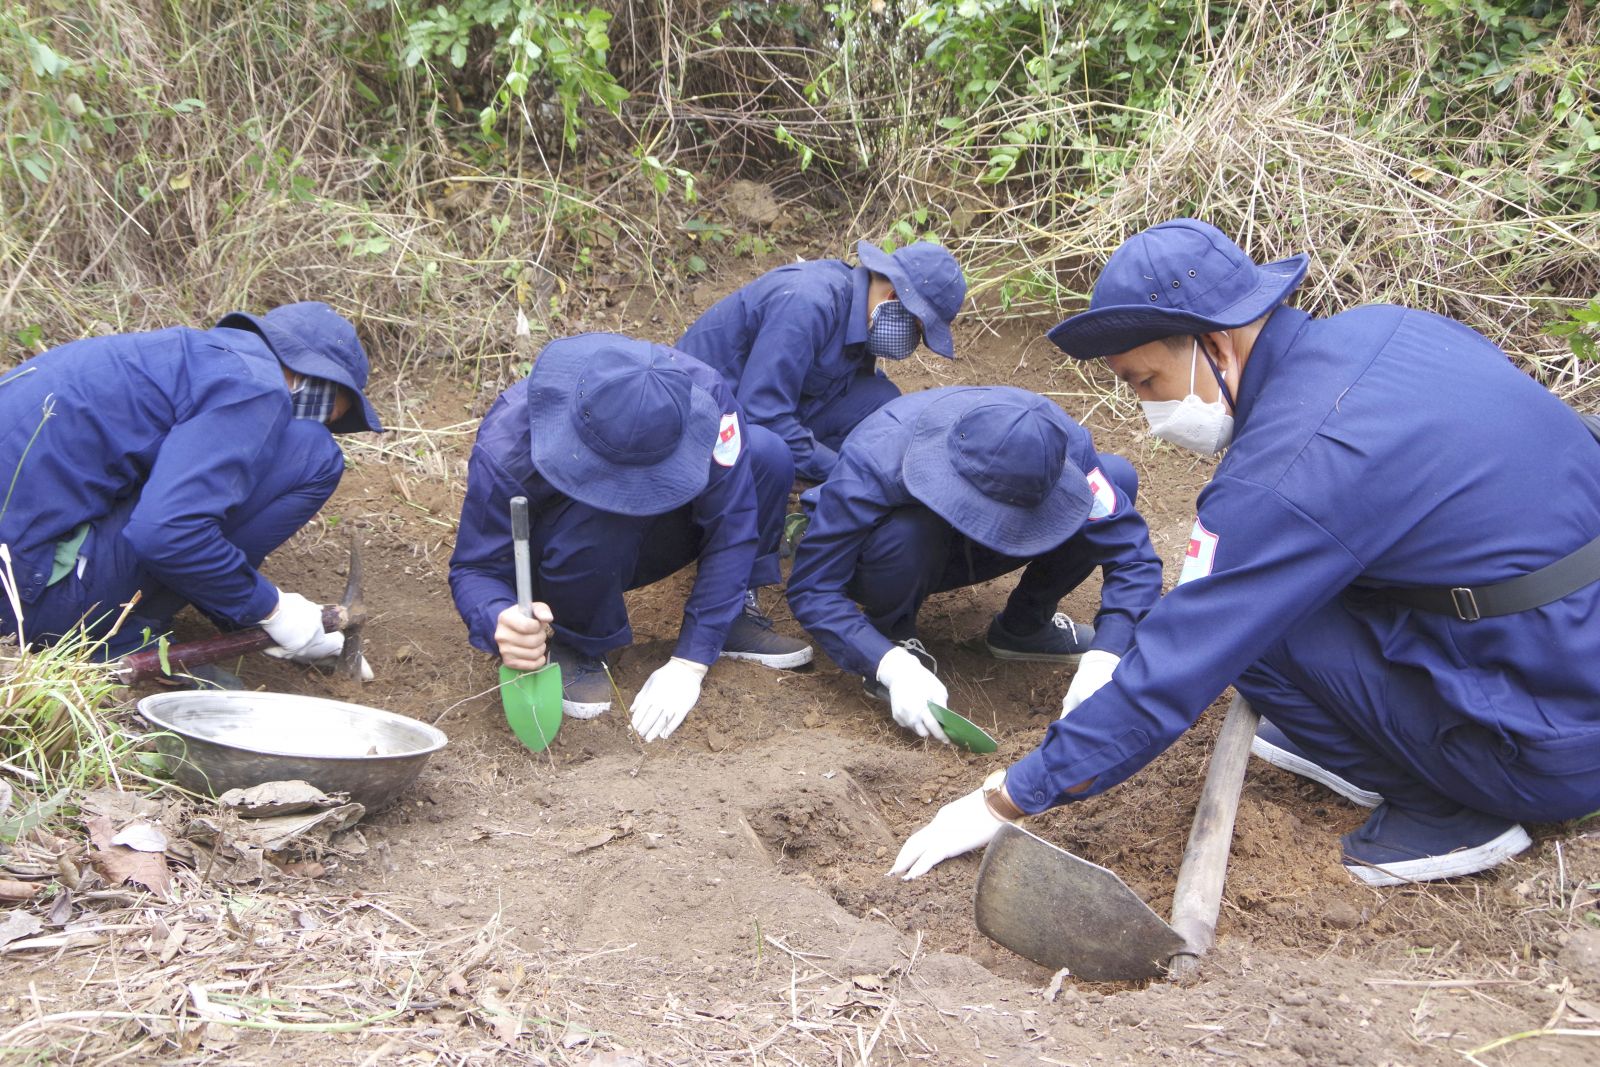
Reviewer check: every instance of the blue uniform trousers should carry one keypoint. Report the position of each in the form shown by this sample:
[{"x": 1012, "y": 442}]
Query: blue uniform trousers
[
  {"x": 1328, "y": 686},
  {"x": 832, "y": 422},
  {"x": 915, "y": 554},
  {"x": 302, "y": 477},
  {"x": 584, "y": 559}
]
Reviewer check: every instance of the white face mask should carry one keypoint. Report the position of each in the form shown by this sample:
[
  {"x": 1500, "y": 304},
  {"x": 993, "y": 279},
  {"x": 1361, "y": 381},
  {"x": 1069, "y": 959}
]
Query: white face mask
[{"x": 1191, "y": 423}]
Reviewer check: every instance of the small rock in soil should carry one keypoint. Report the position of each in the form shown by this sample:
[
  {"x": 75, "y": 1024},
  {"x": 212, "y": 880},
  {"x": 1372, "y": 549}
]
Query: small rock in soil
[
  {"x": 1341, "y": 915},
  {"x": 1582, "y": 954}
]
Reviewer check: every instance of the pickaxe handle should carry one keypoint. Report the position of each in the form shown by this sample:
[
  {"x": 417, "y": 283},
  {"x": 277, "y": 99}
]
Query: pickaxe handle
[
  {"x": 1198, "y": 897},
  {"x": 147, "y": 664}
]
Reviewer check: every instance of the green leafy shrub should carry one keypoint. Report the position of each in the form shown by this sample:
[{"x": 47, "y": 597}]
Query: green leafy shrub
[{"x": 553, "y": 45}]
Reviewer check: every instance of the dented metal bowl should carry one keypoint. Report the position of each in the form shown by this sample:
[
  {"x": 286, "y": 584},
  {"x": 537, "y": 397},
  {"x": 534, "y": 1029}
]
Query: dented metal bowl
[{"x": 216, "y": 741}]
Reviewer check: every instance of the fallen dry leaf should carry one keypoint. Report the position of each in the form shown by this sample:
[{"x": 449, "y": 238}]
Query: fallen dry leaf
[
  {"x": 174, "y": 941},
  {"x": 278, "y": 832},
  {"x": 61, "y": 908},
  {"x": 505, "y": 1023},
  {"x": 13, "y": 890},
  {"x": 303, "y": 869},
  {"x": 100, "y": 830},
  {"x": 17, "y": 925},
  {"x": 118, "y": 863},
  {"x": 574, "y": 1036},
  {"x": 279, "y": 798},
  {"x": 141, "y": 835}
]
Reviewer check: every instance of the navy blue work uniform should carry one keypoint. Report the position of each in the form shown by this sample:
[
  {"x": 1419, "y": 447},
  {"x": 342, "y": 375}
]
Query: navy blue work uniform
[
  {"x": 584, "y": 558},
  {"x": 1379, "y": 447},
  {"x": 870, "y": 542},
  {"x": 170, "y": 460},
  {"x": 792, "y": 345}
]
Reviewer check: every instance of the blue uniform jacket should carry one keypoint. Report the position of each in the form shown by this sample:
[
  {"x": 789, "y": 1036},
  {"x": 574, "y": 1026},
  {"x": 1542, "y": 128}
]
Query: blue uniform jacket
[
  {"x": 786, "y": 344},
  {"x": 482, "y": 570},
  {"x": 867, "y": 486},
  {"x": 186, "y": 419},
  {"x": 1382, "y": 446}
]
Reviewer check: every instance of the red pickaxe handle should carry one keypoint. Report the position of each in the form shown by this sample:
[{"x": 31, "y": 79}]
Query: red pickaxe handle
[{"x": 147, "y": 664}]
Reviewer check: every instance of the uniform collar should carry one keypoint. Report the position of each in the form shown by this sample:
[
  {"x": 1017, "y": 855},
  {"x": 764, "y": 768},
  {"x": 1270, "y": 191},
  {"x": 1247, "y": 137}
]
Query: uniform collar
[
  {"x": 1272, "y": 342},
  {"x": 855, "y": 329}
]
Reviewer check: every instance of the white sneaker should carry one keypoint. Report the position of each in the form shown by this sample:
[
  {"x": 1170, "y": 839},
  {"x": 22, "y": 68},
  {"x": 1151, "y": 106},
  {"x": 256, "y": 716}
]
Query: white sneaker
[{"x": 1271, "y": 745}]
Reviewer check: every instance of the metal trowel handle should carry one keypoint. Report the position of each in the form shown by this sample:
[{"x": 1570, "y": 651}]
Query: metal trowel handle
[{"x": 519, "y": 549}]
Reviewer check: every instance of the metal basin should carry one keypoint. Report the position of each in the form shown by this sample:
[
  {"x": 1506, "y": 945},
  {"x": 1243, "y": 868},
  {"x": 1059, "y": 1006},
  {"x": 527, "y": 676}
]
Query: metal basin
[{"x": 216, "y": 741}]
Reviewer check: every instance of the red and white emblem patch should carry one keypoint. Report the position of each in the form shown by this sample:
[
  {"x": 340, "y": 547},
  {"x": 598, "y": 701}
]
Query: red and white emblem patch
[
  {"x": 1202, "y": 554},
  {"x": 1105, "y": 495},
  {"x": 729, "y": 441}
]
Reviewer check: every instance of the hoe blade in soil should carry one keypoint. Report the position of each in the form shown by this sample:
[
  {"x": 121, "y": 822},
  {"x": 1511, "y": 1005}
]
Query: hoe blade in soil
[{"x": 1060, "y": 910}]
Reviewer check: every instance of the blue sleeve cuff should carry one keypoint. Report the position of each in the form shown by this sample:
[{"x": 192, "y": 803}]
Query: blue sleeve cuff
[
  {"x": 874, "y": 646},
  {"x": 1028, "y": 784},
  {"x": 1113, "y": 633},
  {"x": 694, "y": 646},
  {"x": 263, "y": 602},
  {"x": 817, "y": 466}
]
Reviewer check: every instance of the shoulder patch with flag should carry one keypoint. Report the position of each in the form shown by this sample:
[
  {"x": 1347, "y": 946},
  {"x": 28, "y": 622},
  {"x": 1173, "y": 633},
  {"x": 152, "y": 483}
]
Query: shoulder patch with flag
[
  {"x": 729, "y": 441},
  {"x": 1105, "y": 495},
  {"x": 1202, "y": 554}
]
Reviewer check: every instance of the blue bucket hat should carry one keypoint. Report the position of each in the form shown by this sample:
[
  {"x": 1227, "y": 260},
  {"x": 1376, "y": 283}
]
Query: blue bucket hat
[
  {"x": 928, "y": 281},
  {"x": 1179, "y": 277},
  {"x": 619, "y": 425},
  {"x": 992, "y": 462},
  {"x": 312, "y": 339}
]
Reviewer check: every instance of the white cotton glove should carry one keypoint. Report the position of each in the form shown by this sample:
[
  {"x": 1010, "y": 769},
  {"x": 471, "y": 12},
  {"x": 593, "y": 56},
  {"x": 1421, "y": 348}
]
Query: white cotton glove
[
  {"x": 961, "y": 826},
  {"x": 666, "y": 698},
  {"x": 911, "y": 686},
  {"x": 296, "y": 625},
  {"x": 1094, "y": 671}
]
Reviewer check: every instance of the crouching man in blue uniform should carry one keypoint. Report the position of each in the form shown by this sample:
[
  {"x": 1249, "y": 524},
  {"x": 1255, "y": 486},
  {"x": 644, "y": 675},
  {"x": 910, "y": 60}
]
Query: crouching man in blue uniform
[
  {"x": 951, "y": 487},
  {"x": 168, "y": 465},
  {"x": 1359, "y": 570},
  {"x": 800, "y": 345},
  {"x": 636, "y": 462}
]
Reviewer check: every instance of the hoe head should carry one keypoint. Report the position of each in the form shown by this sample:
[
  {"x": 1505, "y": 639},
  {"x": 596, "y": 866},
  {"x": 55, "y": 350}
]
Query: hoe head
[{"x": 1059, "y": 910}]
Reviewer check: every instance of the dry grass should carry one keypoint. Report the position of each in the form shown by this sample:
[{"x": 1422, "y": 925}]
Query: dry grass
[{"x": 1292, "y": 143}]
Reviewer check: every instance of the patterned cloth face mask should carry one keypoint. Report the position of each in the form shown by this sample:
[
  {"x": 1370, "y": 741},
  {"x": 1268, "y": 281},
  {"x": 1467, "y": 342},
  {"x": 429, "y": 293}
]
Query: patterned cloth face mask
[
  {"x": 894, "y": 332},
  {"x": 314, "y": 398}
]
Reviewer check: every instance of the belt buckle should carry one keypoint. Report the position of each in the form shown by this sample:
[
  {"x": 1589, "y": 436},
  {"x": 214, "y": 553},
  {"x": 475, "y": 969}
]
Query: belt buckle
[{"x": 1466, "y": 604}]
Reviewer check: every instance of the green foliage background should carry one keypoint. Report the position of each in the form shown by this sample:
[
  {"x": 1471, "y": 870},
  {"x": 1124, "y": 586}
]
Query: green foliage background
[{"x": 438, "y": 168}]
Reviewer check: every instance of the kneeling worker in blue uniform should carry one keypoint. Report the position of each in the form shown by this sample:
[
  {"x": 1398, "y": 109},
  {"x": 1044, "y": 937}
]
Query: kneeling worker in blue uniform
[
  {"x": 636, "y": 462},
  {"x": 1396, "y": 562},
  {"x": 951, "y": 487},
  {"x": 168, "y": 465},
  {"x": 800, "y": 345}
]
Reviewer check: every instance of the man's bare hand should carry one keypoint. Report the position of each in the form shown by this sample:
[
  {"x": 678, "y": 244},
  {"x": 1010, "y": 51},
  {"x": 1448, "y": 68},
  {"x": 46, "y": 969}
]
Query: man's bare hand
[{"x": 522, "y": 639}]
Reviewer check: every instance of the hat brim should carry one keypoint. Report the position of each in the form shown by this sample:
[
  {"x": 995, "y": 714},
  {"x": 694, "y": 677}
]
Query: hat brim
[
  {"x": 1010, "y": 529},
  {"x": 301, "y": 358},
  {"x": 935, "y": 331},
  {"x": 1112, "y": 330},
  {"x": 589, "y": 478}
]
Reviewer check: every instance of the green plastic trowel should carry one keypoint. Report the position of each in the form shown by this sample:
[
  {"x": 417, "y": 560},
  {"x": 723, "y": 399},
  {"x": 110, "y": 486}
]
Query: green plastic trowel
[
  {"x": 532, "y": 699},
  {"x": 962, "y": 730}
]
